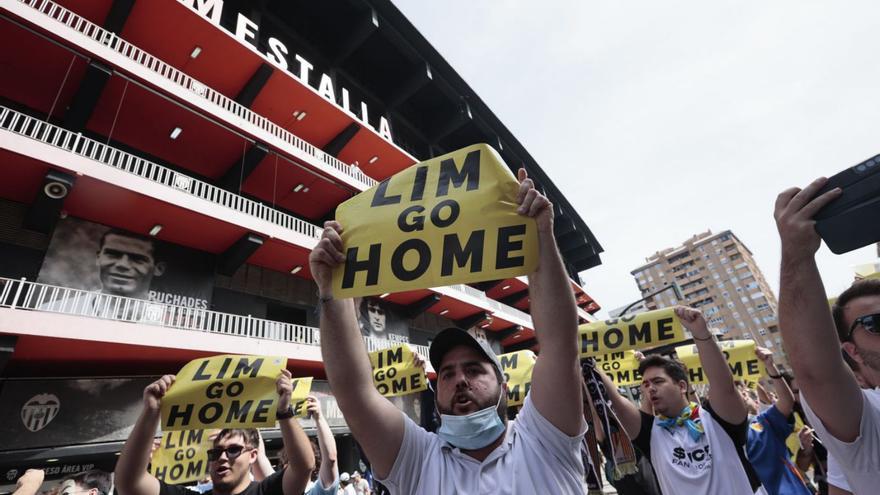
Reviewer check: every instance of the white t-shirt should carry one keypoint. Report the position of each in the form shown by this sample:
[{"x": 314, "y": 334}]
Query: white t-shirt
[
  {"x": 835, "y": 474},
  {"x": 710, "y": 465},
  {"x": 535, "y": 457},
  {"x": 859, "y": 460}
]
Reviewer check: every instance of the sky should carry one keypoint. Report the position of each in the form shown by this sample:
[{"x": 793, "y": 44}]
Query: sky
[{"x": 660, "y": 120}]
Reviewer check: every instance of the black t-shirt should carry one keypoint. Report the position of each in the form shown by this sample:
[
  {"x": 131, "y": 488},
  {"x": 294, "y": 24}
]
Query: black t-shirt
[
  {"x": 271, "y": 485},
  {"x": 738, "y": 433}
]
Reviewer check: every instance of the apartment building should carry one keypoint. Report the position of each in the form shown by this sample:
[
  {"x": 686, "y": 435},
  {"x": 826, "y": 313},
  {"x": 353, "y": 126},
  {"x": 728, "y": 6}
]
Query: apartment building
[{"x": 717, "y": 274}]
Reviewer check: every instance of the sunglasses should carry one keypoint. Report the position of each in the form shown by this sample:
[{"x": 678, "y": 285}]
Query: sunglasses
[
  {"x": 871, "y": 323},
  {"x": 232, "y": 452}
]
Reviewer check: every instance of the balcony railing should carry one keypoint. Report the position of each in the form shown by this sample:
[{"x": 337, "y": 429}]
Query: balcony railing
[
  {"x": 27, "y": 295},
  {"x": 76, "y": 143},
  {"x": 173, "y": 75}
]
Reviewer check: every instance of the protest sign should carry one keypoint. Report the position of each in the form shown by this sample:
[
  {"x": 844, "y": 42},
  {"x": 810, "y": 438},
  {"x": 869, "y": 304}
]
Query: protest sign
[
  {"x": 394, "y": 372},
  {"x": 449, "y": 220},
  {"x": 182, "y": 457},
  {"x": 226, "y": 391},
  {"x": 302, "y": 387},
  {"x": 517, "y": 368},
  {"x": 621, "y": 367},
  {"x": 639, "y": 331},
  {"x": 740, "y": 355}
]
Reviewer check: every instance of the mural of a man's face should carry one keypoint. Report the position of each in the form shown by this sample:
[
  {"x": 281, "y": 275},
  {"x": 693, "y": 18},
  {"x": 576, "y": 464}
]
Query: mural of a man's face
[
  {"x": 376, "y": 316},
  {"x": 127, "y": 265}
]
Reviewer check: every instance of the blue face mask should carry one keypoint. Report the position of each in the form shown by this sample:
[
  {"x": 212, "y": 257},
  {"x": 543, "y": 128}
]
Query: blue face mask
[{"x": 472, "y": 431}]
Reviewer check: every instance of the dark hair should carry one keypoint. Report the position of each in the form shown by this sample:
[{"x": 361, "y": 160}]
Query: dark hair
[
  {"x": 859, "y": 288},
  {"x": 100, "y": 480},
  {"x": 154, "y": 246},
  {"x": 675, "y": 369},
  {"x": 250, "y": 435}
]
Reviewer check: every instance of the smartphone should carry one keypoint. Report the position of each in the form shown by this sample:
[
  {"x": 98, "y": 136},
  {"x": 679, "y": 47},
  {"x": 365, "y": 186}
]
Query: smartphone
[{"x": 853, "y": 219}]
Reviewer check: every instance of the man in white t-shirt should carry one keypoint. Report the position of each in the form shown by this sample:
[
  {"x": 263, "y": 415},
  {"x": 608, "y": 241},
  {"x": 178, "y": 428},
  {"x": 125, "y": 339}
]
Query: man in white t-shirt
[
  {"x": 475, "y": 450},
  {"x": 693, "y": 449},
  {"x": 845, "y": 417}
]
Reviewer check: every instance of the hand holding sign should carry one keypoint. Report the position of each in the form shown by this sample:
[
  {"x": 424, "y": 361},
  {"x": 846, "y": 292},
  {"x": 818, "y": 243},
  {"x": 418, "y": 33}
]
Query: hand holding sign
[
  {"x": 532, "y": 203},
  {"x": 325, "y": 256},
  {"x": 766, "y": 355},
  {"x": 284, "y": 386},
  {"x": 155, "y": 391}
]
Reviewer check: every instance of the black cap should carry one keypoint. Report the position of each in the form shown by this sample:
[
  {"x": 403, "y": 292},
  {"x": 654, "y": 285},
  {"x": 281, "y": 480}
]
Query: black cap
[{"x": 452, "y": 337}]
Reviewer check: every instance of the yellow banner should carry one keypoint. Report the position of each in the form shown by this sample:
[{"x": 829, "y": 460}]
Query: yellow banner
[
  {"x": 182, "y": 457},
  {"x": 740, "y": 355},
  {"x": 226, "y": 391},
  {"x": 394, "y": 373},
  {"x": 621, "y": 367},
  {"x": 301, "y": 389},
  {"x": 640, "y": 331},
  {"x": 517, "y": 367},
  {"x": 449, "y": 220}
]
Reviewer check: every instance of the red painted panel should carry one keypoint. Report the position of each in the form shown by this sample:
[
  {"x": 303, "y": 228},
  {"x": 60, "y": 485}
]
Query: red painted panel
[
  {"x": 144, "y": 121},
  {"x": 168, "y": 30},
  {"x": 366, "y": 145},
  {"x": 283, "y": 95},
  {"x": 34, "y": 72},
  {"x": 21, "y": 177},
  {"x": 274, "y": 180}
]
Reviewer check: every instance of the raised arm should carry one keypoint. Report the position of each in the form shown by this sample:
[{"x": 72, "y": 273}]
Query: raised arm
[
  {"x": 556, "y": 376},
  {"x": 329, "y": 468},
  {"x": 30, "y": 482},
  {"x": 725, "y": 399},
  {"x": 374, "y": 421},
  {"x": 784, "y": 395},
  {"x": 263, "y": 467},
  {"x": 629, "y": 415},
  {"x": 131, "y": 476},
  {"x": 300, "y": 458},
  {"x": 804, "y": 318}
]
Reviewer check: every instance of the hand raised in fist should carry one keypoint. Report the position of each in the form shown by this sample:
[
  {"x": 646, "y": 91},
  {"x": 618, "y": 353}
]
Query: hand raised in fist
[{"x": 326, "y": 255}]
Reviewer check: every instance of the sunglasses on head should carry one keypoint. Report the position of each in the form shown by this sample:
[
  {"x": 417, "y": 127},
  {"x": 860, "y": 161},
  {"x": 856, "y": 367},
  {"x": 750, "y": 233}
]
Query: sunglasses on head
[
  {"x": 232, "y": 452},
  {"x": 871, "y": 324}
]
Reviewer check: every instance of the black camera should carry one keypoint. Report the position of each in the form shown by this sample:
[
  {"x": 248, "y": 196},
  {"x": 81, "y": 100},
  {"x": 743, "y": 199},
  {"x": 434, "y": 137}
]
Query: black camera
[{"x": 853, "y": 219}]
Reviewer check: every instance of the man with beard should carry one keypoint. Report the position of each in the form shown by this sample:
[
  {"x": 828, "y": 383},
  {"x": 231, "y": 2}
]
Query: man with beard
[
  {"x": 693, "y": 449},
  {"x": 846, "y": 418},
  {"x": 229, "y": 461},
  {"x": 474, "y": 450}
]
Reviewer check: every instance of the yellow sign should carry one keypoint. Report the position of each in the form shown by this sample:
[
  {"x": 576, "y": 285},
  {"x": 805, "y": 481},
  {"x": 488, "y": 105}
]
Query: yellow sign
[
  {"x": 449, "y": 220},
  {"x": 517, "y": 367},
  {"x": 394, "y": 372},
  {"x": 740, "y": 355},
  {"x": 182, "y": 457},
  {"x": 621, "y": 367},
  {"x": 301, "y": 389},
  {"x": 639, "y": 331},
  {"x": 226, "y": 391}
]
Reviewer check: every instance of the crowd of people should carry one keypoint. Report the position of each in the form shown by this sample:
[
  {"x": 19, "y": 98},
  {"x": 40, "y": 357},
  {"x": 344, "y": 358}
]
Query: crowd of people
[{"x": 813, "y": 429}]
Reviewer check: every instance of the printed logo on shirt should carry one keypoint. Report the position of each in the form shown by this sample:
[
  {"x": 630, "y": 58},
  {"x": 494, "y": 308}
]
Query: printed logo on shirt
[
  {"x": 757, "y": 426},
  {"x": 699, "y": 458}
]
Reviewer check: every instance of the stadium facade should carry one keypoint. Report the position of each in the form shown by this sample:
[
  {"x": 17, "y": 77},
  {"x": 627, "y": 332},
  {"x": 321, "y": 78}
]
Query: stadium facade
[{"x": 164, "y": 169}]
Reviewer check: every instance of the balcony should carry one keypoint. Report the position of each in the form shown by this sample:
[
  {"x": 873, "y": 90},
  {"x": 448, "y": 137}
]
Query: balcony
[
  {"x": 22, "y": 296},
  {"x": 290, "y": 238},
  {"x": 150, "y": 69},
  {"x": 23, "y": 125}
]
